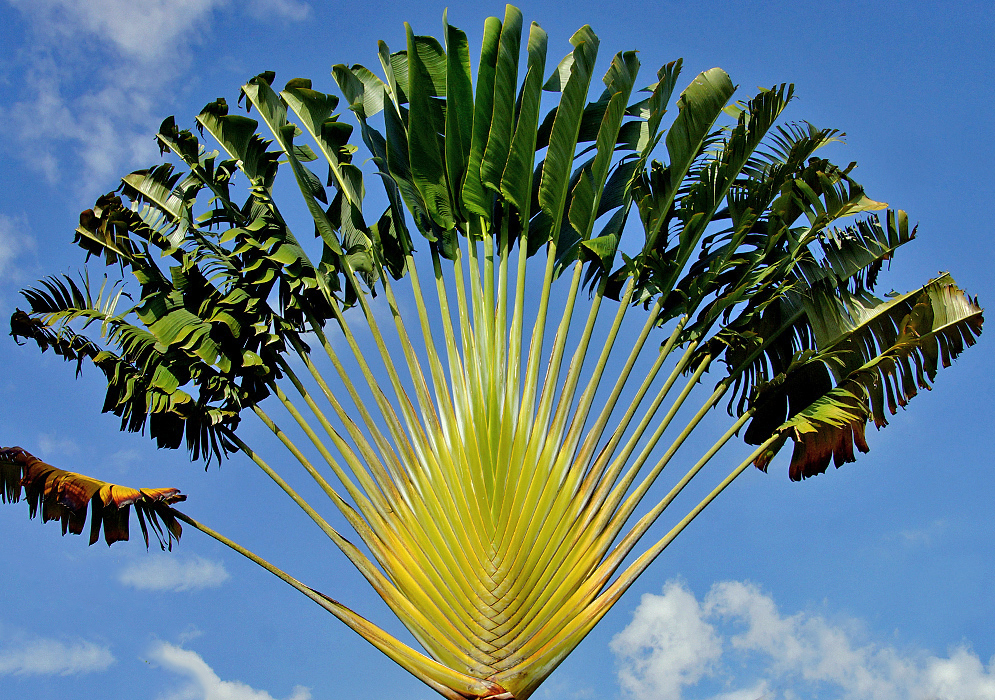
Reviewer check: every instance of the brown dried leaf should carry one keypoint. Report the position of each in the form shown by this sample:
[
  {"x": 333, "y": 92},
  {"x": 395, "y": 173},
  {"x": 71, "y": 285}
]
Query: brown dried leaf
[{"x": 64, "y": 496}]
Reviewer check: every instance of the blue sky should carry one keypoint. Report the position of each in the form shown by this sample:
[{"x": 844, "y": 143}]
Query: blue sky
[{"x": 872, "y": 582}]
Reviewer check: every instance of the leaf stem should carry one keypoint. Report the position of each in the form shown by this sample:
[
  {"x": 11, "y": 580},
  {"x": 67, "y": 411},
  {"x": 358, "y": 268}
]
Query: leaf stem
[{"x": 451, "y": 684}]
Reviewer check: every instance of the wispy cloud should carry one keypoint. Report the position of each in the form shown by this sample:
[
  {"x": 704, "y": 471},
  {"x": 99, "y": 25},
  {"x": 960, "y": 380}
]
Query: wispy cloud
[
  {"x": 738, "y": 640},
  {"x": 290, "y": 10},
  {"x": 64, "y": 122},
  {"x": 203, "y": 683},
  {"x": 916, "y": 538},
  {"x": 143, "y": 29},
  {"x": 23, "y": 655},
  {"x": 559, "y": 688},
  {"x": 15, "y": 241},
  {"x": 123, "y": 459},
  {"x": 168, "y": 572},
  {"x": 52, "y": 445},
  {"x": 96, "y": 78},
  {"x": 191, "y": 633}
]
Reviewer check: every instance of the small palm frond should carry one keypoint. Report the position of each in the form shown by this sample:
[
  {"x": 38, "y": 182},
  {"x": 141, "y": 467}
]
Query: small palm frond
[
  {"x": 872, "y": 356},
  {"x": 777, "y": 284},
  {"x": 65, "y": 496}
]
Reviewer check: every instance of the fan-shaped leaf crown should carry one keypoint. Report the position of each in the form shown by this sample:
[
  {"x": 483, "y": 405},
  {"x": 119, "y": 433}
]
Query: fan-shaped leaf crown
[{"x": 491, "y": 432}]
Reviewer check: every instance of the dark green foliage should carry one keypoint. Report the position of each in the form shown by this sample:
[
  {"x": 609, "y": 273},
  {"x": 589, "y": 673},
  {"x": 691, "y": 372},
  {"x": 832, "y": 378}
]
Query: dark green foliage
[{"x": 738, "y": 232}]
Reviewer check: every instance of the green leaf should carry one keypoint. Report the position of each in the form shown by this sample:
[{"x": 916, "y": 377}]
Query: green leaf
[
  {"x": 362, "y": 89},
  {"x": 558, "y": 80},
  {"x": 395, "y": 66},
  {"x": 882, "y": 352},
  {"x": 475, "y": 199},
  {"x": 516, "y": 183},
  {"x": 601, "y": 249},
  {"x": 566, "y": 126},
  {"x": 700, "y": 105},
  {"x": 314, "y": 109},
  {"x": 427, "y": 74},
  {"x": 388, "y": 235},
  {"x": 619, "y": 79},
  {"x": 459, "y": 111},
  {"x": 398, "y": 165},
  {"x": 274, "y": 112},
  {"x": 502, "y": 125},
  {"x": 237, "y": 135}
]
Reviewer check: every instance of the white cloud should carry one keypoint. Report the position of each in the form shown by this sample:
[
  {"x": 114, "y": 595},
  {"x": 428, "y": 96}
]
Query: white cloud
[
  {"x": 559, "y": 688},
  {"x": 51, "y": 445},
  {"x": 168, "y": 572},
  {"x": 919, "y": 537},
  {"x": 123, "y": 459},
  {"x": 667, "y": 646},
  {"x": 97, "y": 76},
  {"x": 63, "y": 118},
  {"x": 674, "y": 642},
  {"x": 191, "y": 633},
  {"x": 143, "y": 29},
  {"x": 14, "y": 242},
  {"x": 292, "y": 10},
  {"x": 147, "y": 30},
  {"x": 204, "y": 683},
  {"x": 24, "y": 656}
]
